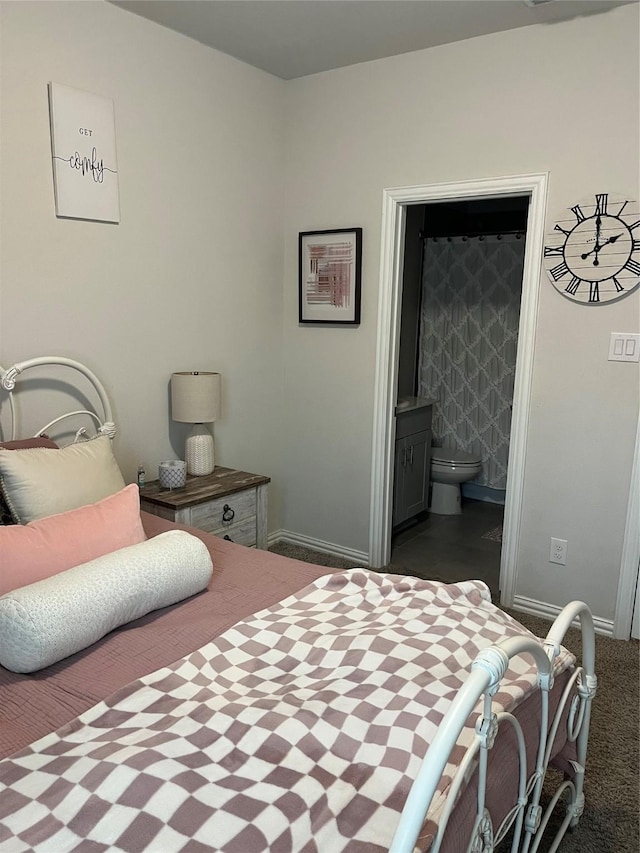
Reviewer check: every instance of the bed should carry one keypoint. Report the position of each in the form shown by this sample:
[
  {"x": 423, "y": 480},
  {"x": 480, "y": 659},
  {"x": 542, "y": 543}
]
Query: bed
[{"x": 277, "y": 705}]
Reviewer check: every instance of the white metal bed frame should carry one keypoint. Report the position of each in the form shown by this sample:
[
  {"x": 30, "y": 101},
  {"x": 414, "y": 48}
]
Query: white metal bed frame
[
  {"x": 526, "y": 819},
  {"x": 9, "y": 377}
]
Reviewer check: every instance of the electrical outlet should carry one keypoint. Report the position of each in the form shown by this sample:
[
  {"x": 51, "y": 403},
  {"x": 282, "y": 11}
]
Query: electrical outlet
[{"x": 558, "y": 552}]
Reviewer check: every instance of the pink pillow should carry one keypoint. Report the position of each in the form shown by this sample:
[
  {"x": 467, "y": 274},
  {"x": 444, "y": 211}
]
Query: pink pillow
[{"x": 34, "y": 551}]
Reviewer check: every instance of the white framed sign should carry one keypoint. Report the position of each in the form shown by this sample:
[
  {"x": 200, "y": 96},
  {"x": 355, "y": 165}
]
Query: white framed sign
[{"x": 83, "y": 150}]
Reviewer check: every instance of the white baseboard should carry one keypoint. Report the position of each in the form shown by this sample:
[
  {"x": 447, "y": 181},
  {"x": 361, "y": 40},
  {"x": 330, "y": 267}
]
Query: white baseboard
[
  {"x": 359, "y": 558},
  {"x": 550, "y": 611}
]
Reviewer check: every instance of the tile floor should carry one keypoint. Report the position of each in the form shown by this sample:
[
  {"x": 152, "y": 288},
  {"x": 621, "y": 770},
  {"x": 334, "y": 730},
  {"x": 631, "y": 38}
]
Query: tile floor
[{"x": 451, "y": 547}]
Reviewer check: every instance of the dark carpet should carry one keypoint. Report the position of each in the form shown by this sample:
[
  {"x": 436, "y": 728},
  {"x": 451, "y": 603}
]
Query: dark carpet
[{"x": 611, "y": 819}]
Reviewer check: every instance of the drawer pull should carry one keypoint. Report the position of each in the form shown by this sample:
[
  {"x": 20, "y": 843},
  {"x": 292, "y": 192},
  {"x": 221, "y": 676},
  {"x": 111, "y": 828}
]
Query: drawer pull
[
  {"x": 228, "y": 538},
  {"x": 227, "y": 514}
]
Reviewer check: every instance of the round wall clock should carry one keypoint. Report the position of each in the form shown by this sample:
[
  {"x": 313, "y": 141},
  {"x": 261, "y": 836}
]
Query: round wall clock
[{"x": 594, "y": 256}]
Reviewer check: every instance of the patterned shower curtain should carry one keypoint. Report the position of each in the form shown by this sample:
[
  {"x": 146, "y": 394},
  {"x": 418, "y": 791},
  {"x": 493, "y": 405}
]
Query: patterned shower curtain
[{"x": 471, "y": 289}]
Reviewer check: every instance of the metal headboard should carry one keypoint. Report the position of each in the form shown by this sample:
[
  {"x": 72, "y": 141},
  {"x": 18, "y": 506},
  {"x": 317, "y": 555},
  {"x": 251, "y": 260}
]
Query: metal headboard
[{"x": 9, "y": 377}]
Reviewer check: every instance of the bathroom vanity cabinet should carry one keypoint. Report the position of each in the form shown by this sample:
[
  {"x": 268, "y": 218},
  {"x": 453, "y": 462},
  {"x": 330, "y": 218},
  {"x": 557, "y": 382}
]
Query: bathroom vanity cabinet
[{"x": 412, "y": 458}]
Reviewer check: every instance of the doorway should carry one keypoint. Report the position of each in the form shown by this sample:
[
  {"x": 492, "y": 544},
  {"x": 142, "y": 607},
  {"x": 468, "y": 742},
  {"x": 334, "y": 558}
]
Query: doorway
[
  {"x": 460, "y": 305},
  {"x": 395, "y": 204}
]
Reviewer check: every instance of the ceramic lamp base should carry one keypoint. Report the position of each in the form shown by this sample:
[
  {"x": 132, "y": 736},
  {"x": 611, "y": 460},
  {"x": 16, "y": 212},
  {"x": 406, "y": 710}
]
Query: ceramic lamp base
[{"x": 198, "y": 451}]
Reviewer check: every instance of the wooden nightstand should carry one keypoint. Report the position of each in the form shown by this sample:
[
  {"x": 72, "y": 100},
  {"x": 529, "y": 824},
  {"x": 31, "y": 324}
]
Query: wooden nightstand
[{"x": 228, "y": 503}]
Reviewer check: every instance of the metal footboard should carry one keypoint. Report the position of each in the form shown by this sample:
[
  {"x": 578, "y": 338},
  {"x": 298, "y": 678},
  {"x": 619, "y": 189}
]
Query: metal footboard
[{"x": 527, "y": 819}]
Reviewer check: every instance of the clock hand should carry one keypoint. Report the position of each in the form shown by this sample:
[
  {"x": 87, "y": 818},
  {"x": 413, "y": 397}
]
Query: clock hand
[
  {"x": 613, "y": 239},
  {"x": 599, "y": 246},
  {"x": 595, "y": 249}
]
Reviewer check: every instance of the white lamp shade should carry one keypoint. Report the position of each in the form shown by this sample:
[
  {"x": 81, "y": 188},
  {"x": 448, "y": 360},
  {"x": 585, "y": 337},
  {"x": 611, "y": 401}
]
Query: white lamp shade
[{"x": 195, "y": 397}]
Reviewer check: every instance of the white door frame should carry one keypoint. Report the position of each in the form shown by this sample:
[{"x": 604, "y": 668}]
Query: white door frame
[
  {"x": 626, "y": 621},
  {"x": 395, "y": 202}
]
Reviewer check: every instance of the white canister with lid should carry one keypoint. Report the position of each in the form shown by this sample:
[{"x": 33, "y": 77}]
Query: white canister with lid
[{"x": 172, "y": 474}]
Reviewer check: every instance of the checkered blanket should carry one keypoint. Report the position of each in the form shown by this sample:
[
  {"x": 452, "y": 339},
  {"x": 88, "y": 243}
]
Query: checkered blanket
[{"x": 299, "y": 729}]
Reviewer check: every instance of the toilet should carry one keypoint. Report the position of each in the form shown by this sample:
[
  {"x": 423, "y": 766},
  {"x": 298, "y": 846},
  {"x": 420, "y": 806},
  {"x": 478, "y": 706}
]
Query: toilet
[{"x": 449, "y": 468}]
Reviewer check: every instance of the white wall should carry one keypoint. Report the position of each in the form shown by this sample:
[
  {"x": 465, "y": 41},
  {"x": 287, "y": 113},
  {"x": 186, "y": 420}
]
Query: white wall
[
  {"x": 191, "y": 278},
  {"x": 194, "y": 275},
  {"x": 561, "y": 98}
]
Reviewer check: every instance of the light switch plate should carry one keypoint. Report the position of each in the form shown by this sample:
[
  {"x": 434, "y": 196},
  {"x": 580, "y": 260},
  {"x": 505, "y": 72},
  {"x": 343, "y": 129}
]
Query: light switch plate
[{"x": 624, "y": 346}]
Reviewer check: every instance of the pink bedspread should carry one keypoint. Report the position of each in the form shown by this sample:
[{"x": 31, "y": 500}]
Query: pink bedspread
[{"x": 243, "y": 581}]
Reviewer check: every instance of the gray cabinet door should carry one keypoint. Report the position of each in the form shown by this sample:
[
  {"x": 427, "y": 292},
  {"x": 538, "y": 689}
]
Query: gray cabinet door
[
  {"x": 416, "y": 485},
  {"x": 398, "y": 484},
  {"x": 411, "y": 486}
]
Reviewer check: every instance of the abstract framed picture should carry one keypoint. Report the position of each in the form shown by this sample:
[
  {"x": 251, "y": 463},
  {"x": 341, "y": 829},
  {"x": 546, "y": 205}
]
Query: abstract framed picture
[
  {"x": 83, "y": 151},
  {"x": 329, "y": 276}
]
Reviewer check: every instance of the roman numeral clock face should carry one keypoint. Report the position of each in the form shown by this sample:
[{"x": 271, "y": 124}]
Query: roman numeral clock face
[{"x": 593, "y": 256}]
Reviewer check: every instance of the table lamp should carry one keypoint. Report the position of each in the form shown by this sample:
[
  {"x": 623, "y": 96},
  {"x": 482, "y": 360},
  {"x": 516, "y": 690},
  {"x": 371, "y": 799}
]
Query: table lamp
[{"x": 195, "y": 399}]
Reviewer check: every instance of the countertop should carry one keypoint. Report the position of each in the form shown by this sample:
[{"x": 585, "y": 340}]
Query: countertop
[{"x": 410, "y": 404}]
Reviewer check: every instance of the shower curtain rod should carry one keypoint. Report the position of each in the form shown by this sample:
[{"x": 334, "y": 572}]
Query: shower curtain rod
[{"x": 480, "y": 234}]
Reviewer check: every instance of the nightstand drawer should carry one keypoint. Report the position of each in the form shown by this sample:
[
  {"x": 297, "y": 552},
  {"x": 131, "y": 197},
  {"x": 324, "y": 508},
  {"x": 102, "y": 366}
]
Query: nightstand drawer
[
  {"x": 214, "y": 516},
  {"x": 243, "y": 533}
]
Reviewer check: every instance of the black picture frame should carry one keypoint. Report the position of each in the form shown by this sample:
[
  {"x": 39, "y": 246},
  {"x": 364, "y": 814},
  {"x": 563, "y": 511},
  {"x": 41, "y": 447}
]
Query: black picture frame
[{"x": 330, "y": 276}]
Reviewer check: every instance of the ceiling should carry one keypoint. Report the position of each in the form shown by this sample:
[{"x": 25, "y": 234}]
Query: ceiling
[{"x": 293, "y": 38}]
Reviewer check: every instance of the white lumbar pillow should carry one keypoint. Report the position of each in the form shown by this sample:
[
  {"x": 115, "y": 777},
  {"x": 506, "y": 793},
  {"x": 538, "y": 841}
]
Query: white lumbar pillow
[
  {"x": 56, "y": 617},
  {"x": 41, "y": 481}
]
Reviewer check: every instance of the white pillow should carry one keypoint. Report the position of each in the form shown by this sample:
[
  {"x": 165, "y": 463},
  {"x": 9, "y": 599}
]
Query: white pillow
[
  {"x": 41, "y": 481},
  {"x": 53, "y": 618}
]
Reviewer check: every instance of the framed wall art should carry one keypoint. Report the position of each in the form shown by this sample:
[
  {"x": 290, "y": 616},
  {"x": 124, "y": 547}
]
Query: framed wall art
[
  {"x": 83, "y": 150},
  {"x": 330, "y": 276}
]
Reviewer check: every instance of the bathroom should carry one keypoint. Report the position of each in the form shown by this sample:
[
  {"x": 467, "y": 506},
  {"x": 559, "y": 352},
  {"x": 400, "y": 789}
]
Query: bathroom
[{"x": 462, "y": 285}]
